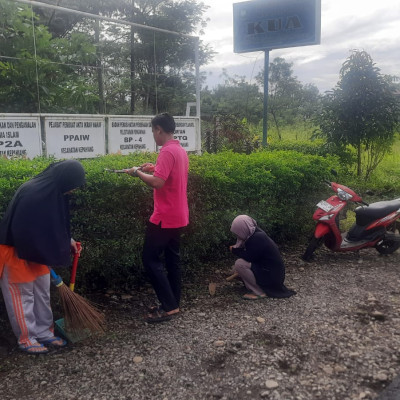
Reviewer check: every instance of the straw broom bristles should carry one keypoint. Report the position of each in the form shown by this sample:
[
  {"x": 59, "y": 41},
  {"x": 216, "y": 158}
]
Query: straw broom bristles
[{"x": 79, "y": 313}]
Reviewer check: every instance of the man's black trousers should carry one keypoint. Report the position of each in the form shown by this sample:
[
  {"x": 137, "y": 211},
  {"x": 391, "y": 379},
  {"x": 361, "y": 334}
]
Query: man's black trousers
[{"x": 166, "y": 280}]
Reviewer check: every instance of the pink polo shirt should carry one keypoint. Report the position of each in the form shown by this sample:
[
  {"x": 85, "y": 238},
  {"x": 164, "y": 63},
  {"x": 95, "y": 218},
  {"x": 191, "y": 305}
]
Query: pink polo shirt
[{"x": 170, "y": 201}]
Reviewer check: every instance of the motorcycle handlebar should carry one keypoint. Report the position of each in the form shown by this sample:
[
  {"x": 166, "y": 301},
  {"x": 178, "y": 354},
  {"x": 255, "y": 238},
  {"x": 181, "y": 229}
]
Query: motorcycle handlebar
[{"x": 330, "y": 184}]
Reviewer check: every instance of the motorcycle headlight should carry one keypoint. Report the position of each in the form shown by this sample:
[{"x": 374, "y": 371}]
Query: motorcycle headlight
[
  {"x": 326, "y": 217},
  {"x": 343, "y": 195}
]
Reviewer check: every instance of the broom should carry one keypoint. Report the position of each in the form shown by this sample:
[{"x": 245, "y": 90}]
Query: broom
[
  {"x": 75, "y": 266},
  {"x": 79, "y": 313}
]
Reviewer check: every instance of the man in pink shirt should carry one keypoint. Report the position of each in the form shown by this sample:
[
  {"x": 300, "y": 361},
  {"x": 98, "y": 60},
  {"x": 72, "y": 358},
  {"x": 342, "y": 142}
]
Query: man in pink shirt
[{"x": 170, "y": 215}]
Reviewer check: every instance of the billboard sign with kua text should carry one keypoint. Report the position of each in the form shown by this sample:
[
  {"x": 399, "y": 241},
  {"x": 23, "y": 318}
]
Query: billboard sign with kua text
[{"x": 275, "y": 24}]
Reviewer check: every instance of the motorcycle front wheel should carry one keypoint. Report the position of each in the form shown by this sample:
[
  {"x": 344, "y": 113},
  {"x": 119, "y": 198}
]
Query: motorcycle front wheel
[
  {"x": 312, "y": 246},
  {"x": 387, "y": 245}
]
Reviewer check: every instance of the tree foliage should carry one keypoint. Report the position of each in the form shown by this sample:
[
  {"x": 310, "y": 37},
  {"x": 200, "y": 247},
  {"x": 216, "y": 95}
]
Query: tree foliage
[
  {"x": 37, "y": 68},
  {"x": 361, "y": 111},
  {"x": 288, "y": 100},
  {"x": 234, "y": 97},
  {"x": 158, "y": 66},
  {"x": 228, "y": 132},
  {"x": 84, "y": 65},
  {"x": 229, "y": 111}
]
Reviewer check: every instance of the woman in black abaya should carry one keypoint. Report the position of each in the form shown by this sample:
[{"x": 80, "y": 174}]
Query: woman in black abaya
[
  {"x": 35, "y": 234},
  {"x": 260, "y": 264}
]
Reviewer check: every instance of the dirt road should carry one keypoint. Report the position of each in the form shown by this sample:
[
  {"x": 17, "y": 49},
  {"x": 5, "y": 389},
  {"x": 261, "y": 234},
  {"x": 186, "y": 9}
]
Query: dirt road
[{"x": 338, "y": 338}]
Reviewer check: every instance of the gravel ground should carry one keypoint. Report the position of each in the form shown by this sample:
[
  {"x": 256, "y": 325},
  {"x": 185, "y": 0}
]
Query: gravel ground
[{"x": 338, "y": 338}]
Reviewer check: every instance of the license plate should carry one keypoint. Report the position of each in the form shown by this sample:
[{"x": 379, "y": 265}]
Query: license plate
[{"x": 323, "y": 205}]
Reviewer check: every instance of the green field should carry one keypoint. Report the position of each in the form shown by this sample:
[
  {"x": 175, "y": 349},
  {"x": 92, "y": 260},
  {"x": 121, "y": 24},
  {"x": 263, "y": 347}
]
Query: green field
[{"x": 384, "y": 181}]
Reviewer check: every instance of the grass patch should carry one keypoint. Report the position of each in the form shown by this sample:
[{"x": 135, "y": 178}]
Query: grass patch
[
  {"x": 384, "y": 182},
  {"x": 299, "y": 131}
]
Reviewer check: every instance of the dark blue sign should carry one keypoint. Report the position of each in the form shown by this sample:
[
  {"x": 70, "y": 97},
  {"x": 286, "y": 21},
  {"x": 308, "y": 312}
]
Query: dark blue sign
[{"x": 274, "y": 24}]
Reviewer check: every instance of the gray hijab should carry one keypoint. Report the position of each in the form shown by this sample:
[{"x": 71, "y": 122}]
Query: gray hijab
[{"x": 243, "y": 227}]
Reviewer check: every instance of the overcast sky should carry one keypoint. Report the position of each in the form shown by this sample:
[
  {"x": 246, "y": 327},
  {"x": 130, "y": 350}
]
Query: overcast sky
[{"x": 370, "y": 25}]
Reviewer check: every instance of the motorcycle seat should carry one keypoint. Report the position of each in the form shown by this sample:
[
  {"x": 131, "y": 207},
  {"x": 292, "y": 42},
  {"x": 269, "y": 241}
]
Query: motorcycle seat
[{"x": 380, "y": 209}]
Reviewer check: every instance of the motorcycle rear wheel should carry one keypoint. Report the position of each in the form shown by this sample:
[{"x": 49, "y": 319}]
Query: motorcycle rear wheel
[
  {"x": 387, "y": 246},
  {"x": 312, "y": 246}
]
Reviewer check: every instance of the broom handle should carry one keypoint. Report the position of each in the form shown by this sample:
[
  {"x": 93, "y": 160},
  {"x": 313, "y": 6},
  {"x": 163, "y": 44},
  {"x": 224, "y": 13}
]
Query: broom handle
[
  {"x": 55, "y": 279},
  {"x": 74, "y": 266}
]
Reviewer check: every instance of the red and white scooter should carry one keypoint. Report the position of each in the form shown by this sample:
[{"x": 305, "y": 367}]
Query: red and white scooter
[{"x": 375, "y": 224}]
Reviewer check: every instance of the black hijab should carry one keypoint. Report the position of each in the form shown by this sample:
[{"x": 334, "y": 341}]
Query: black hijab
[{"x": 36, "y": 222}]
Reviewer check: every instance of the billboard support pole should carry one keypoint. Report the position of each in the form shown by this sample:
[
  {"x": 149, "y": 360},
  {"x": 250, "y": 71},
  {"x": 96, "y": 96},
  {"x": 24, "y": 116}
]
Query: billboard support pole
[{"x": 265, "y": 115}]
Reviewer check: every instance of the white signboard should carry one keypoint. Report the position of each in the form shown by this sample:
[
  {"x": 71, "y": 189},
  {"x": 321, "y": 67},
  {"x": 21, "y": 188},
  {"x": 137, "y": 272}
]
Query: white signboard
[
  {"x": 187, "y": 132},
  {"x": 130, "y": 134},
  {"x": 75, "y": 137},
  {"x": 20, "y": 136}
]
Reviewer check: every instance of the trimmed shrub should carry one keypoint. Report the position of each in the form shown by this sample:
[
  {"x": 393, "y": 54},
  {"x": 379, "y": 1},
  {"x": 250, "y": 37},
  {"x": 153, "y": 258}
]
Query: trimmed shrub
[
  {"x": 278, "y": 189},
  {"x": 316, "y": 147}
]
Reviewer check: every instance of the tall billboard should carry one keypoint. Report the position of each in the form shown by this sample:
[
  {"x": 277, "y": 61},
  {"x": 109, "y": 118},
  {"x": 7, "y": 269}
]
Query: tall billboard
[{"x": 275, "y": 24}]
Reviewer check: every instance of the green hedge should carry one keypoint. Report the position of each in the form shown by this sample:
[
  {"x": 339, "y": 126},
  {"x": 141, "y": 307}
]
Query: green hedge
[
  {"x": 279, "y": 189},
  {"x": 316, "y": 147}
]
